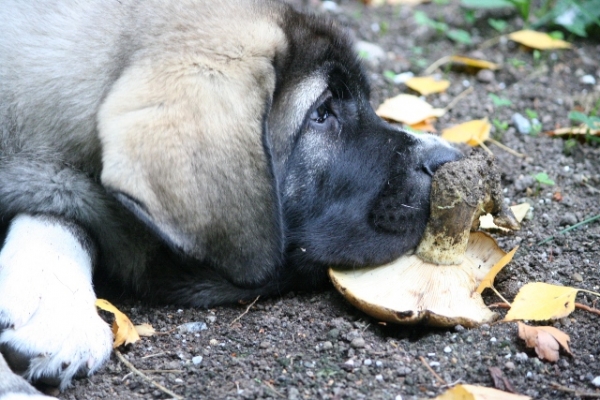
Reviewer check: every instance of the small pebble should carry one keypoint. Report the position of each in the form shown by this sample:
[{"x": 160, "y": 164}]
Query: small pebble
[
  {"x": 459, "y": 328},
  {"x": 197, "y": 360},
  {"x": 596, "y": 381},
  {"x": 330, "y": 6},
  {"x": 521, "y": 123},
  {"x": 193, "y": 327},
  {"x": 378, "y": 364},
  {"x": 327, "y": 345},
  {"x": 447, "y": 349},
  {"x": 521, "y": 357},
  {"x": 434, "y": 364},
  {"x": 358, "y": 343},
  {"x": 577, "y": 277},
  {"x": 211, "y": 319},
  {"x": 588, "y": 80},
  {"x": 379, "y": 377},
  {"x": 568, "y": 218},
  {"x": 370, "y": 52},
  {"x": 334, "y": 333},
  {"x": 367, "y": 362},
  {"x": 213, "y": 342},
  {"x": 485, "y": 76},
  {"x": 523, "y": 183},
  {"x": 510, "y": 365},
  {"x": 264, "y": 345}
]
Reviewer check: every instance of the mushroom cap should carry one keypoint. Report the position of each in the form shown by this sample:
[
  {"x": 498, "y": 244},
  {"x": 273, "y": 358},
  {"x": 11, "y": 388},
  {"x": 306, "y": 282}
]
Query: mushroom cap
[{"x": 410, "y": 290}]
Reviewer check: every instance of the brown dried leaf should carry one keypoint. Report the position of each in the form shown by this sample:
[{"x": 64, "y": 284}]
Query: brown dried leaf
[
  {"x": 546, "y": 340},
  {"x": 501, "y": 382}
]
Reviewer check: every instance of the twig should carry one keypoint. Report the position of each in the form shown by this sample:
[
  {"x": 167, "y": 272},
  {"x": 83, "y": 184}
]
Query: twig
[
  {"x": 587, "y": 221},
  {"x": 499, "y": 305},
  {"x": 162, "y": 371},
  {"x": 153, "y": 355},
  {"x": 270, "y": 387},
  {"x": 490, "y": 42},
  {"x": 458, "y": 98},
  {"x": 245, "y": 312},
  {"x": 506, "y": 148},
  {"x": 499, "y": 295},
  {"x": 439, "y": 378},
  {"x": 576, "y": 392},
  {"x": 145, "y": 377},
  {"x": 587, "y": 308},
  {"x": 429, "y": 70}
]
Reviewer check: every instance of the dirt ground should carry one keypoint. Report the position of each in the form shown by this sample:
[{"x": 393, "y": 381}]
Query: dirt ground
[{"x": 317, "y": 346}]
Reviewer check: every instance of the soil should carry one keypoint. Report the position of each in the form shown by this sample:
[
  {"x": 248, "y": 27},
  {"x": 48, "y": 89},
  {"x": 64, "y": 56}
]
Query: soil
[{"x": 317, "y": 346}]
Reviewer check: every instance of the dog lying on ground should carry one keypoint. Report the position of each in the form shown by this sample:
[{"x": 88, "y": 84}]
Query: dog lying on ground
[{"x": 195, "y": 152}]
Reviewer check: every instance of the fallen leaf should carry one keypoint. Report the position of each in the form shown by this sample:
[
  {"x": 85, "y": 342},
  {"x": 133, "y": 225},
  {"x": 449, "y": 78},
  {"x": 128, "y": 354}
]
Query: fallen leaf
[
  {"x": 473, "y": 62},
  {"x": 425, "y": 126},
  {"x": 574, "y": 131},
  {"x": 408, "y": 109},
  {"x": 122, "y": 328},
  {"x": 472, "y": 392},
  {"x": 486, "y": 222},
  {"x": 427, "y": 85},
  {"x": 538, "y": 40},
  {"x": 545, "y": 340},
  {"x": 501, "y": 382},
  {"x": 472, "y": 133},
  {"x": 540, "y": 301},
  {"x": 488, "y": 280},
  {"x": 145, "y": 330}
]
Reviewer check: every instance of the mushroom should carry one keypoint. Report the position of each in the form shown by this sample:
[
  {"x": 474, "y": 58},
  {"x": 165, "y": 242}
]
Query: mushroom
[{"x": 437, "y": 284}]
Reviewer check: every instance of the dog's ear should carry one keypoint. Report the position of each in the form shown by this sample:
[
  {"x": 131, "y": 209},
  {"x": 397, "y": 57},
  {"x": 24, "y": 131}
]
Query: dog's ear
[{"x": 184, "y": 148}]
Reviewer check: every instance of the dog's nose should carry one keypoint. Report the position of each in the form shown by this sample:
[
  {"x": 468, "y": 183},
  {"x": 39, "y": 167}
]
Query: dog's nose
[{"x": 436, "y": 155}]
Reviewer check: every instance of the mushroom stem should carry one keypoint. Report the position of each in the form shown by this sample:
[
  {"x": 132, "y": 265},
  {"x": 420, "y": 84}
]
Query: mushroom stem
[{"x": 461, "y": 192}]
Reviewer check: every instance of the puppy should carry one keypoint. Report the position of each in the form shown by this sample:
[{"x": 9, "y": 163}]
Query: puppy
[{"x": 197, "y": 152}]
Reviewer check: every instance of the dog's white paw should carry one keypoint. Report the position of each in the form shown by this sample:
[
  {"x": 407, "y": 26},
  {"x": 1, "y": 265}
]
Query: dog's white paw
[{"x": 50, "y": 330}]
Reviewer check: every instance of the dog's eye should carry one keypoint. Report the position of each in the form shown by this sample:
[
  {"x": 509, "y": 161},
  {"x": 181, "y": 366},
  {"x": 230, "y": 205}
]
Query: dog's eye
[{"x": 320, "y": 115}]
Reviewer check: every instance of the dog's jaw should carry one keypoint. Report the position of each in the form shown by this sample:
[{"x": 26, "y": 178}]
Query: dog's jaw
[{"x": 49, "y": 328}]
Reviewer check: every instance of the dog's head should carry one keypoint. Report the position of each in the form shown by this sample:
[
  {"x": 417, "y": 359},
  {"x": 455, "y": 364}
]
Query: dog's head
[{"x": 254, "y": 145}]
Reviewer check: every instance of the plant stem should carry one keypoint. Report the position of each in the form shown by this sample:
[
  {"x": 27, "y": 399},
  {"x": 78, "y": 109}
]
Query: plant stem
[{"x": 591, "y": 219}]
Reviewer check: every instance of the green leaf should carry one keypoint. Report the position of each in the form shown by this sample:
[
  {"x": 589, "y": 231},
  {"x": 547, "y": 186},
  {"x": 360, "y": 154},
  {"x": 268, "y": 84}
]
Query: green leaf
[
  {"x": 531, "y": 114},
  {"x": 578, "y": 117},
  {"x": 486, "y": 3},
  {"x": 498, "y": 24},
  {"x": 499, "y": 101},
  {"x": 459, "y": 36},
  {"x": 544, "y": 179},
  {"x": 389, "y": 75}
]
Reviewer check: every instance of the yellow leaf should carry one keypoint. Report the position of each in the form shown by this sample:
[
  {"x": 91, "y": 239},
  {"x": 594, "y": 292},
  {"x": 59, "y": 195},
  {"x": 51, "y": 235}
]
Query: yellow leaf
[
  {"x": 545, "y": 340},
  {"x": 473, "y": 62},
  {"x": 425, "y": 125},
  {"x": 540, "y": 301},
  {"x": 488, "y": 280},
  {"x": 427, "y": 85},
  {"x": 486, "y": 222},
  {"x": 472, "y": 392},
  {"x": 472, "y": 133},
  {"x": 538, "y": 40},
  {"x": 574, "y": 131},
  {"x": 408, "y": 109},
  {"x": 145, "y": 330},
  {"x": 122, "y": 328}
]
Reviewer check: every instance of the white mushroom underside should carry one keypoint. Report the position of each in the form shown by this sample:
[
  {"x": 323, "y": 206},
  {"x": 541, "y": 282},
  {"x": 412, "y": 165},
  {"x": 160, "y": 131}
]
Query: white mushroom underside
[{"x": 409, "y": 289}]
